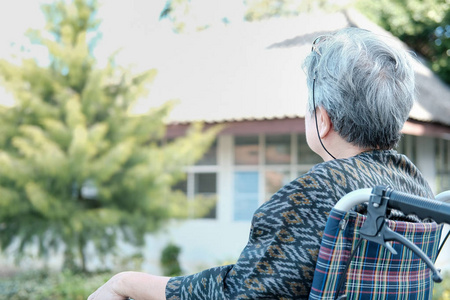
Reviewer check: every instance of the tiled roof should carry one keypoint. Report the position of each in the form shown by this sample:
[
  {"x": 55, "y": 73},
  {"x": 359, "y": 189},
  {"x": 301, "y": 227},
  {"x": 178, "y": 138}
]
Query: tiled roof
[{"x": 252, "y": 71}]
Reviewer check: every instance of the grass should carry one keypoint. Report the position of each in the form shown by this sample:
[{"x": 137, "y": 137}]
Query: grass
[{"x": 40, "y": 285}]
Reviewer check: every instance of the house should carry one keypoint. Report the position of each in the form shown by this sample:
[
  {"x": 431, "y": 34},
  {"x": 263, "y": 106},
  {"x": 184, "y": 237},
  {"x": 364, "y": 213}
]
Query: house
[{"x": 249, "y": 78}]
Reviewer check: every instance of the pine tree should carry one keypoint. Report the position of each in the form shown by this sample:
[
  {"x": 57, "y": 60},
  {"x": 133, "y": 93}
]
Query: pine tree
[{"x": 75, "y": 166}]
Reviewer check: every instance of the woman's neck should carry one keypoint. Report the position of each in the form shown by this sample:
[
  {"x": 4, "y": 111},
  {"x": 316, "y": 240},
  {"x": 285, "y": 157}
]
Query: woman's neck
[{"x": 340, "y": 148}]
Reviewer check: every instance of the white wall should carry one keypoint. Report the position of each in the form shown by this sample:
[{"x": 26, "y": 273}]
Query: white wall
[
  {"x": 425, "y": 160},
  {"x": 204, "y": 244}
]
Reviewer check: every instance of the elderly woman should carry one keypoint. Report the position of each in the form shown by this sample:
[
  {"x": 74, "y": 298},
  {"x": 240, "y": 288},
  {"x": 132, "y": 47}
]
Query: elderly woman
[{"x": 361, "y": 92}]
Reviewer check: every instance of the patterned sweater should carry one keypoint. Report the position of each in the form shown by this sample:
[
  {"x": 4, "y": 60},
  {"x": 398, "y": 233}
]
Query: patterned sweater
[{"x": 279, "y": 259}]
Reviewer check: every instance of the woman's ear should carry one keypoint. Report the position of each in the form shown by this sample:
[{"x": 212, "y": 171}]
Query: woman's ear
[{"x": 323, "y": 122}]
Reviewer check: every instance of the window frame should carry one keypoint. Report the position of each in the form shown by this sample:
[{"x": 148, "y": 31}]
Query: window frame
[{"x": 294, "y": 169}]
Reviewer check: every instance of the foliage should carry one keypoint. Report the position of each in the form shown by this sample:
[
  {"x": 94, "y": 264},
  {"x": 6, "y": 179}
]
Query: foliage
[
  {"x": 177, "y": 11},
  {"x": 169, "y": 260},
  {"x": 441, "y": 290},
  {"x": 266, "y": 9},
  {"x": 422, "y": 24},
  {"x": 193, "y": 15},
  {"x": 182, "y": 13},
  {"x": 76, "y": 168},
  {"x": 40, "y": 285}
]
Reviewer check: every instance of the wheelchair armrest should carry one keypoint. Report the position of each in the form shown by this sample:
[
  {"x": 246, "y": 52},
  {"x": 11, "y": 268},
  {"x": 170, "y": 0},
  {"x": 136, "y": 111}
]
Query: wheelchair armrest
[
  {"x": 444, "y": 196},
  {"x": 352, "y": 199}
]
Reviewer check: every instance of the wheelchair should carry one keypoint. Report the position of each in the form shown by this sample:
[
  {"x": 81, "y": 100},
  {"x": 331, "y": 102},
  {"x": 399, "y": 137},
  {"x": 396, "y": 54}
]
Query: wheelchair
[{"x": 367, "y": 256}]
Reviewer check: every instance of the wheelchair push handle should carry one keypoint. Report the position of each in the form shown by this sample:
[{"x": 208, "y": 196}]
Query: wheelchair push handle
[
  {"x": 422, "y": 207},
  {"x": 375, "y": 228}
]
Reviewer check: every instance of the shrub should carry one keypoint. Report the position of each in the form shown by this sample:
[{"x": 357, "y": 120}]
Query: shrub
[{"x": 169, "y": 260}]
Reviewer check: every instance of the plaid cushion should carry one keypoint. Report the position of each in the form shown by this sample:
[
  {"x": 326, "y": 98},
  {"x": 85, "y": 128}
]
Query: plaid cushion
[{"x": 374, "y": 272}]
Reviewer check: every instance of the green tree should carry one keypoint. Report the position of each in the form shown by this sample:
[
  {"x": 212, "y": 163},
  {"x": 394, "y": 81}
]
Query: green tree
[
  {"x": 75, "y": 165},
  {"x": 266, "y": 9},
  {"x": 424, "y": 25},
  {"x": 177, "y": 11},
  {"x": 182, "y": 16}
]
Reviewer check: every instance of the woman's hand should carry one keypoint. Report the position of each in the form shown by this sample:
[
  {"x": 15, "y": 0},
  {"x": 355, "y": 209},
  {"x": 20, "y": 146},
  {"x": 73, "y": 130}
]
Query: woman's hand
[
  {"x": 135, "y": 285},
  {"x": 110, "y": 290}
]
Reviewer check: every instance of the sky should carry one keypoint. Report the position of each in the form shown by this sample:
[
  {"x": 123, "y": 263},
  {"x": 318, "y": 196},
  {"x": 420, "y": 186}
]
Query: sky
[
  {"x": 123, "y": 22},
  {"x": 126, "y": 24}
]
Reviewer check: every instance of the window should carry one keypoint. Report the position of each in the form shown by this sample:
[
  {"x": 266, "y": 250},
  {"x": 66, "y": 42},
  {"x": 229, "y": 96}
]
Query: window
[
  {"x": 246, "y": 198},
  {"x": 263, "y": 164},
  {"x": 246, "y": 150},
  {"x": 210, "y": 157},
  {"x": 275, "y": 179},
  {"x": 408, "y": 146},
  {"x": 205, "y": 193},
  {"x": 200, "y": 186},
  {"x": 304, "y": 154},
  {"x": 278, "y": 149},
  {"x": 278, "y": 161},
  {"x": 442, "y": 165}
]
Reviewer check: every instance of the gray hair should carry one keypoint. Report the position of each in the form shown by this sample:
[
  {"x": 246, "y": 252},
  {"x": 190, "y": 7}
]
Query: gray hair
[{"x": 365, "y": 85}]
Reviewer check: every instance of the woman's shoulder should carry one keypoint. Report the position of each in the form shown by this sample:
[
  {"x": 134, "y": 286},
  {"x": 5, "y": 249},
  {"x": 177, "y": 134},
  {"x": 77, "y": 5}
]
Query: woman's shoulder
[
  {"x": 369, "y": 161},
  {"x": 326, "y": 182},
  {"x": 309, "y": 189}
]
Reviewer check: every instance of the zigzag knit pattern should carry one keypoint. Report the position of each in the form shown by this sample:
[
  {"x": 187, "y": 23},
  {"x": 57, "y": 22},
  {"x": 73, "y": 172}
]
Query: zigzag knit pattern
[{"x": 279, "y": 259}]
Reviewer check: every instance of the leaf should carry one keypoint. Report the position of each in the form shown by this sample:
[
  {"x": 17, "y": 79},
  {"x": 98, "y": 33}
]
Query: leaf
[
  {"x": 78, "y": 153},
  {"x": 74, "y": 114},
  {"x": 112, "y": 161},
  {"x": 9, "y": 202},
  {"x": 41, "y": 201},
  {"x": 43, "y": 154},
  {"x": 57, "y": 131}
]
